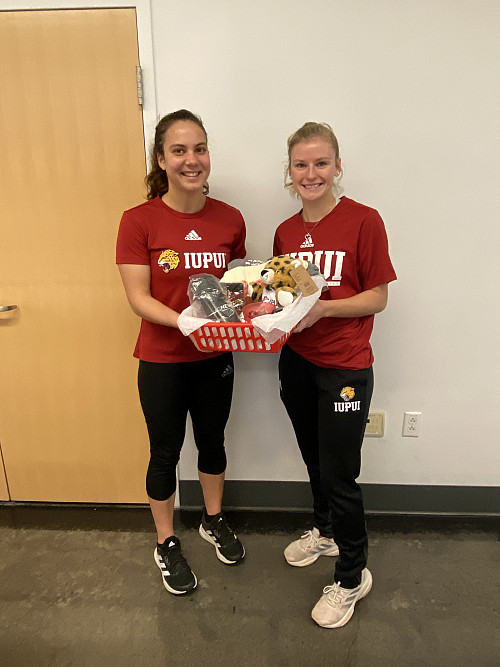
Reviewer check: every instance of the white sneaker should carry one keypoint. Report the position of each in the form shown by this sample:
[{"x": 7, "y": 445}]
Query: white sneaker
[
  {"x": 336, "y": 606},
  {"x": 309, "y": 548}
]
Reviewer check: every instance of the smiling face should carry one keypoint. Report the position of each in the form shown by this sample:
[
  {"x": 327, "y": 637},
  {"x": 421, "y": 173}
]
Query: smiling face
[
  {"x": 313, "y": 168},
  {"x": 185, "y": 158}
]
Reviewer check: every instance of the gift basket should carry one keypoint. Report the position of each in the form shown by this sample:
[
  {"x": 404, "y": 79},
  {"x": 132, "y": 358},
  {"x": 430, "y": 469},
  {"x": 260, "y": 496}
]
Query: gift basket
[
  {"x": 254, "y": 307},
  {"x": 234, "y": 337}
]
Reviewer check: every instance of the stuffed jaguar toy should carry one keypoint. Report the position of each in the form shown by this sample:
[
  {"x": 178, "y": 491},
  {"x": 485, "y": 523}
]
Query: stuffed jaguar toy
[{"x": 276, "y": 284}]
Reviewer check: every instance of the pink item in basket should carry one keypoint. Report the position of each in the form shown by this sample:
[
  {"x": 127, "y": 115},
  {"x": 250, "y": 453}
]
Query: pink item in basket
[{"x": 252, "y": 310}]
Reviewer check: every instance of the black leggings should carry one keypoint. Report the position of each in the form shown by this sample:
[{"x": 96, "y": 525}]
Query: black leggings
[
  {"x": 329, "y": 428},
  {"x": 168, "y": 391}
]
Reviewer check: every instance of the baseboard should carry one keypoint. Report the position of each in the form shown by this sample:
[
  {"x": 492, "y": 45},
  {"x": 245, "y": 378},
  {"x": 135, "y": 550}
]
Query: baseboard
[
  {"x": 378, "y": 498},
  {"x": 137, "y": 518},
  {"x": 278, "y": 506}
]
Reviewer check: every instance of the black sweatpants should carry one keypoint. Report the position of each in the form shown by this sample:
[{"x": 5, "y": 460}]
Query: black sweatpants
[
  {"x": 168, "y": 391},
  {"x": 328, "y": 409}
]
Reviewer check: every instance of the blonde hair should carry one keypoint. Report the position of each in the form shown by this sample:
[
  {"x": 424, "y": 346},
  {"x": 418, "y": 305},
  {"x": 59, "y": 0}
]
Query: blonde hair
[{"x": 308, "y": 131}]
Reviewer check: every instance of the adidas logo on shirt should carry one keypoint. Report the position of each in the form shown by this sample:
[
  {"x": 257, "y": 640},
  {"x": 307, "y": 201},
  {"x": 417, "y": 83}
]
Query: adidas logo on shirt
[
  {"x": 227, "y": 371},
  {"x": 308, "y": 242},
  {"x": 192, "y": 236}
]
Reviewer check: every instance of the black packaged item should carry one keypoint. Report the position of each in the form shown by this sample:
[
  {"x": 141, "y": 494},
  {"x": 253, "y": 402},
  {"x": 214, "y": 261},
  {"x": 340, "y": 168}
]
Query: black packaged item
[
  {"x": 237, "y": 296},
  {"x": 209, "y": 300}
]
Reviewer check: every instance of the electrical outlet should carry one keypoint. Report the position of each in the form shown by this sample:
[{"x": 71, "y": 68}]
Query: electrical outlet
[
  {"x": 411, "y": 424},
  {"x": 376, "y": 424}
]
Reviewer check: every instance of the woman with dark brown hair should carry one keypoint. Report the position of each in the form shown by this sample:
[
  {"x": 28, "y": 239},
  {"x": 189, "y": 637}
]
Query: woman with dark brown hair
[{"x": 178, "y": 232}]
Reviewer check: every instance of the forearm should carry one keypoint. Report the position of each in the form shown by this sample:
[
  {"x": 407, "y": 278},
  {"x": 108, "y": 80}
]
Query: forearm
[
  {"x": 151, "y": 309},
  {"x": 365, "y": 303},
  {"x": 136, "y": 280}
]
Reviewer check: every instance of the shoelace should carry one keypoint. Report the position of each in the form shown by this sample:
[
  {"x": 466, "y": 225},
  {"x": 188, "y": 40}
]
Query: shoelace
[
  {"x": 335, "y": 594},
  {"x": 311, "y": 539},
  {"x": 174, "y": 557},
  {"x": 223, "y": 532}
]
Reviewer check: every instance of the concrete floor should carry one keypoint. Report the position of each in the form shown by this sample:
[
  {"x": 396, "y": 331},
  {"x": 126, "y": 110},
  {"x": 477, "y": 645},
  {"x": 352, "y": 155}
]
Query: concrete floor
[{"x": 94, "y": 596}]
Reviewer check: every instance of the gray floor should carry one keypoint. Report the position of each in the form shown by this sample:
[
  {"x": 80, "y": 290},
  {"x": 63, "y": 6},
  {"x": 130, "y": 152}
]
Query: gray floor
[{"x": 95, "y": 597}]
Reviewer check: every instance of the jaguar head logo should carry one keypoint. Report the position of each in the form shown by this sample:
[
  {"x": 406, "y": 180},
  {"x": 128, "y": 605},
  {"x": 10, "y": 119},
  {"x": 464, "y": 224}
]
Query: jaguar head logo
[
  {"x": 168, "y": 260},
  {"x": 347, "y": 393}
]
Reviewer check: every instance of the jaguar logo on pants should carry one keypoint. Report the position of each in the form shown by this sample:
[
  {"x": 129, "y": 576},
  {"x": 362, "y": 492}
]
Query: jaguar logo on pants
[{"x": 347, "y": 394}]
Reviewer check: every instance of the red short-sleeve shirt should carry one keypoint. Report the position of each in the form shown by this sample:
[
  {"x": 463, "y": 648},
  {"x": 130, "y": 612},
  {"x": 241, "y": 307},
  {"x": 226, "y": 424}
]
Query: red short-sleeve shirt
[
  {"x": 351, "y": 250},
  {"x": 175, "y": 246}
]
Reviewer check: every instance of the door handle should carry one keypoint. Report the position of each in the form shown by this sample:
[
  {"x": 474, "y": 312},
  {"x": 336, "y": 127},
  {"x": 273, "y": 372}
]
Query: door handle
[{"x": 4, "y": 308}]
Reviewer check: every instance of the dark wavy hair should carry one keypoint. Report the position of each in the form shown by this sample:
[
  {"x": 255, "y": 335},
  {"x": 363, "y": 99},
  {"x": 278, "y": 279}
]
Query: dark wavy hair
[{"x": 156, "y": 180}]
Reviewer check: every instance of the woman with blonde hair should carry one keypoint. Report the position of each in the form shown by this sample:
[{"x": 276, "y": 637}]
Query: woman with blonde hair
[{"x": 331, "y": 354}]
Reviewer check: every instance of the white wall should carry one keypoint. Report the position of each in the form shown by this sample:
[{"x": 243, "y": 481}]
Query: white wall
[{"x": 412, "y": 91}]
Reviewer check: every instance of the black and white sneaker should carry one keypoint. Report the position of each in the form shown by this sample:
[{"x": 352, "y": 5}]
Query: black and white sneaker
[
  {"x": 176, "y": 574},
  {"x": 227, "y": 546}
]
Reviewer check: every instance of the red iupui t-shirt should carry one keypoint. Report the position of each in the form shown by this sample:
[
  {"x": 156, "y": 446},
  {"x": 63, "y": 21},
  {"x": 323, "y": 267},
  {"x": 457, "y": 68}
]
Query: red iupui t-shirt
[
  {"x": 175, "y": 246},
  {"x": 349, "y": 246}
]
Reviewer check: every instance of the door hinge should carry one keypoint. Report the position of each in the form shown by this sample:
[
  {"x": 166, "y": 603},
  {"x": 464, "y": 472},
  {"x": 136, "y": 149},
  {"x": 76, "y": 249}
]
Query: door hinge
[{"x": 138, "y": 78}]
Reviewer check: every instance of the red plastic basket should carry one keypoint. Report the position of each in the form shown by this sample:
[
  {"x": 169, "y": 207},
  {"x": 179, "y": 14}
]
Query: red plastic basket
[{"x": 235, "y": 337}]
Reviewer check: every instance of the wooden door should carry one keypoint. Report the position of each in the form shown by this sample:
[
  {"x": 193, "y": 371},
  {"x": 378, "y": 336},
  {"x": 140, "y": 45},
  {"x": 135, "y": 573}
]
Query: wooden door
[{"x": 72, "y": 160}]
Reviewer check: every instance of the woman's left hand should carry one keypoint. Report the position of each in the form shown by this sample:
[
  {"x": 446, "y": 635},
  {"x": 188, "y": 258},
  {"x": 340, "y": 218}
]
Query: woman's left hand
[
  {"x": 369, "y": 302},
  {"x": 200, "y": 349}
]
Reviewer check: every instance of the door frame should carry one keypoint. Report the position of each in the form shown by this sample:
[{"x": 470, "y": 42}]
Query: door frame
[{"x": 145, "y": 42}]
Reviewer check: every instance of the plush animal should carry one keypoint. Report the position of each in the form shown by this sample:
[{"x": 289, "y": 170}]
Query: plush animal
[
  {"x": 276, "y": 284},
  {"x": 243, "y": 270}
]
